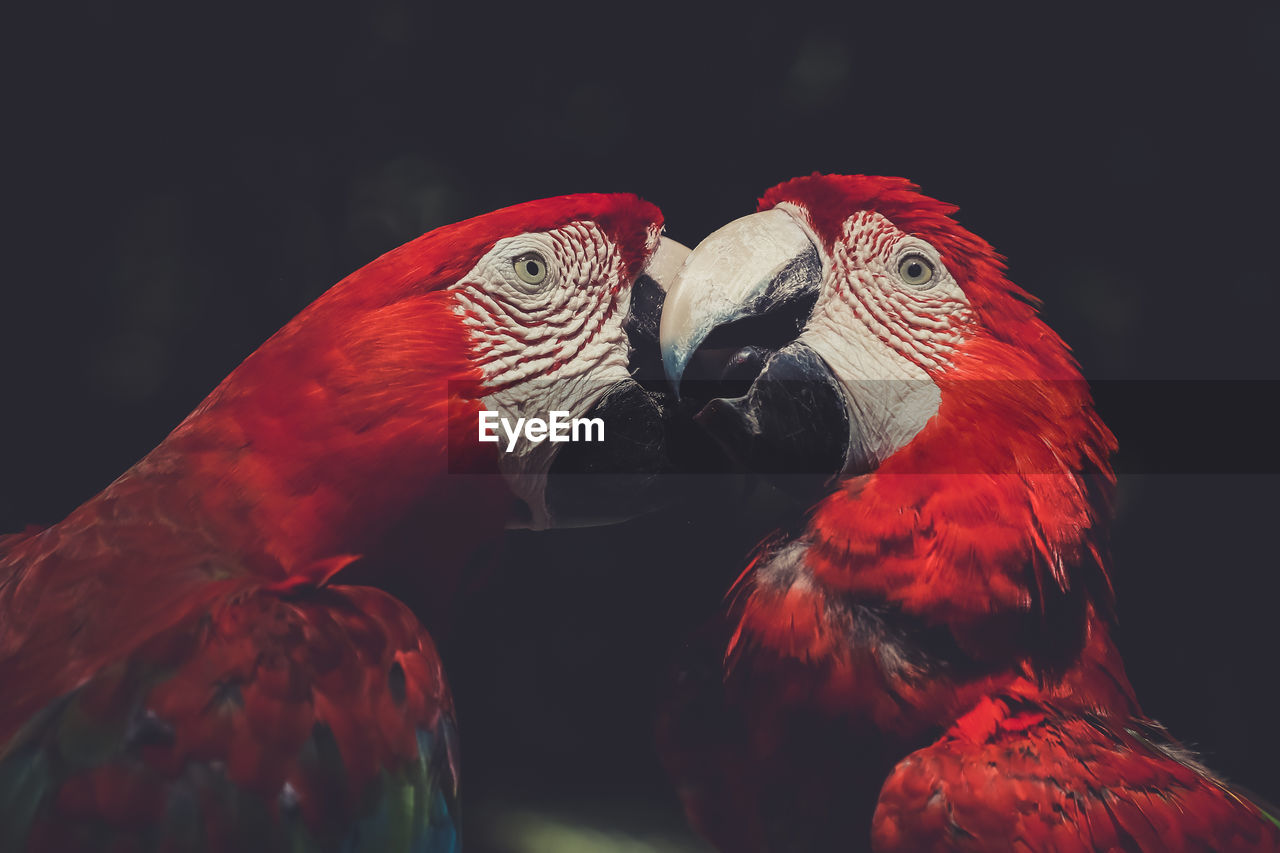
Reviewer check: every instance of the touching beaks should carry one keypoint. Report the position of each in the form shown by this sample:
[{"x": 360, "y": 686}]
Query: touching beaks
[
  {"x": 746, "y": 269},
  {"x": 732, "y": 346}
]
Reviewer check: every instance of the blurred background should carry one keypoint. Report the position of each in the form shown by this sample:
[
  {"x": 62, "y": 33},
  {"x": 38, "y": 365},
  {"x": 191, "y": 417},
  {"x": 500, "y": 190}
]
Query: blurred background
[{"x": 180, "y": 181}]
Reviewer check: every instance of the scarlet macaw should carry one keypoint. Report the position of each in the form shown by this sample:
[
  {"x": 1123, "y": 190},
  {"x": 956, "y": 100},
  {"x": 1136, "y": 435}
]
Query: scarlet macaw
[
  {"x": 179, "y": 674},
  {"x": 925, "y": 661}
]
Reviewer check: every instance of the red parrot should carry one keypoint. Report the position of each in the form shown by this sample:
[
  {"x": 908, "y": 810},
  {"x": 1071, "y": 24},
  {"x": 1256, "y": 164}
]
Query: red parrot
[
  {"x": 924, "y": 660},
  {"x": 178, "y": 671}
]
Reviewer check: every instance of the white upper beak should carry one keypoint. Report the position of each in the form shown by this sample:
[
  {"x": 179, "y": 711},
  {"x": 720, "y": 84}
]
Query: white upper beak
[{"x": 725, "y": 277}]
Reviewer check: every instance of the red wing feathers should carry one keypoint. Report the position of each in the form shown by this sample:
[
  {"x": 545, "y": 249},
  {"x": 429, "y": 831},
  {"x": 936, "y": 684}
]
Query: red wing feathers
[
  {"x": 1024, "y": 775},
  {"x": 259, "y": 720}
]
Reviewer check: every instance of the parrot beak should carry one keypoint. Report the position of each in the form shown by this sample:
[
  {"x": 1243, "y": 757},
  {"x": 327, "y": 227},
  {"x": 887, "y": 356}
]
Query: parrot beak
[
  {"x": 728, "y": 338},
  {"x": 747, "y": 269},
  {"x": 626, "y": 470}
]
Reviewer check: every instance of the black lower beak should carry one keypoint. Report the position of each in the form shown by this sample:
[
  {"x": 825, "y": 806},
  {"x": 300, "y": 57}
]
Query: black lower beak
[{"x": 791, "y": 424}]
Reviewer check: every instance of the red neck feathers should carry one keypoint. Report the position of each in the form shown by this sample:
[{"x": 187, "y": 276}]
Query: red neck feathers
[{"x": 973, "y": 560}]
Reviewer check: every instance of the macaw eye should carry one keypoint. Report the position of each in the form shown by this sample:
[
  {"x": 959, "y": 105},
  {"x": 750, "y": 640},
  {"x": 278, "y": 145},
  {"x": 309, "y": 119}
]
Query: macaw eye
[
  {"x": 531, "y": 268},
  {"x": 915, "y": 270}
]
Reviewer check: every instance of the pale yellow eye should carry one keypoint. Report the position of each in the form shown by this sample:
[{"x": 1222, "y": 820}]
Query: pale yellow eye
[
  {"x": 531, "y": 268},
  {"x": 916, "y": 270}
]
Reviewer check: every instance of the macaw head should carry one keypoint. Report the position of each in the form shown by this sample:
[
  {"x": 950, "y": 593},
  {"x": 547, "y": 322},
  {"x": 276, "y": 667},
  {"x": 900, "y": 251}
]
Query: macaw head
[
  {"x": 852, "y": 331},
  {"x": 557, "y": 314},
  {"x": 359, "y": 408}
]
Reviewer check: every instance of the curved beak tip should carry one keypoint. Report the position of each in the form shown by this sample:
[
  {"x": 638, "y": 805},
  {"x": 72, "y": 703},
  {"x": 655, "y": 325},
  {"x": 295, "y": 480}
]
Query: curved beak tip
[{"x": 673, "y": 364}]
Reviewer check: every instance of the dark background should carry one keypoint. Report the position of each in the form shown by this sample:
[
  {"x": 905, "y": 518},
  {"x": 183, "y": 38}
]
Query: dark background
[{"x": 179, "y": 182}]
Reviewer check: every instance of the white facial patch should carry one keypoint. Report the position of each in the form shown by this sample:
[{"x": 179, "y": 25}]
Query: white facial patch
[
  {"x": 554, "y": 345},
  {"x": 881, "y": 334}
]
